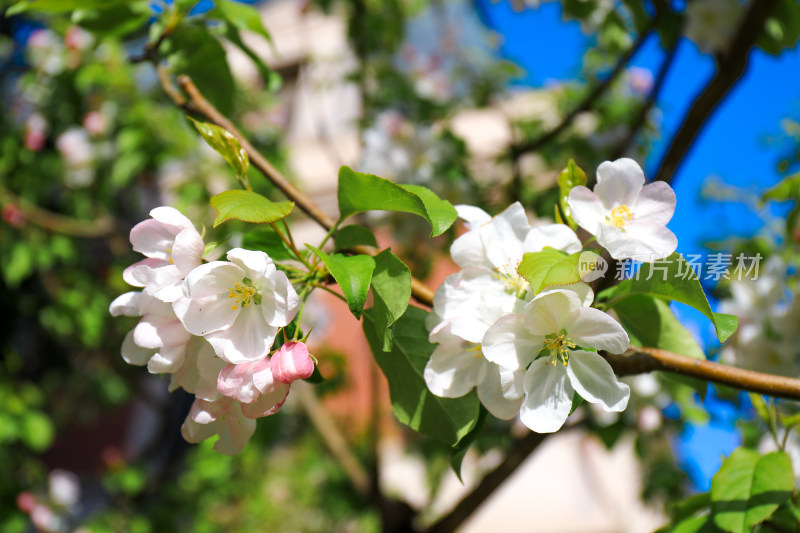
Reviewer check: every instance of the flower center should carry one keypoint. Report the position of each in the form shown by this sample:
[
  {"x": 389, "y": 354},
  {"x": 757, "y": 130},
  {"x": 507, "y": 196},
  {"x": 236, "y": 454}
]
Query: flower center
[
  {"x": 620, "y": 216},
  {"x": 511, "y": 278},
  {"x": 242, "y": 294},
  {"x": 477, "y": 349},
  {"x": 169, "y": 254},
  {"x": 559, "y": 346}
]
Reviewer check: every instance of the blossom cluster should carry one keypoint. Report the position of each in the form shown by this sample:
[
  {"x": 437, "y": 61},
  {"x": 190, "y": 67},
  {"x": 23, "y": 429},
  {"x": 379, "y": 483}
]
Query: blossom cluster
[
  {"x": 211, "y": 326},
  {"x": 528, "y": 354}
]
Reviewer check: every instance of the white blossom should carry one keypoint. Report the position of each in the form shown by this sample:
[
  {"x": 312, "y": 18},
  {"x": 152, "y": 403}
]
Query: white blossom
[{"x": 628, "y": 217}]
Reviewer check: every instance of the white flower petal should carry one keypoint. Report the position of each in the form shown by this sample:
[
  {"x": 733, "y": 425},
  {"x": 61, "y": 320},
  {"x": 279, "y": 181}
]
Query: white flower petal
[
  {"x": 592, "y": 328},
  {"x": 153, "y": 239},
  {"x": 551, "y": 311},
  {"x": 187, "y": 250},
  {"x": 619, "y": 182},
  {"x": 202, "y": 316},
  {"x": 268, "y": 403},
  {"x": 452, "y": 371},
  {"x": 247, "y": 340},
  {"x": 591, "y": 376},
  {"x": 279, "y": 300},
  {"x": 133, "y": 354},
  {"x": 195, "y": 432},
  {"x": 156, "y": 331},
  {"x": 468, "y": 251},
  {"x": 490, "y": 393},
  {"x": 235, "y": 434},
  {"x": 473, "y": 216},
  {"x": 510, "y": 344},
  {"x": 171, "y": 216},
  {"x": 212, "y": 279},
  {"x": 548, "y": 397},
  {"x": 167, "y": 360},
  {"x": 558, "y": 236},
  {"x": 257, "y": 264},
  {"x": 653, "y": 242},
  {"x": 204, "y": 412},
  {"x": 126, "y": 304},
  {"x": 586, "y": 208},
  {"x": 505, "y": 235},
  {"x": 656, "y": 204}
]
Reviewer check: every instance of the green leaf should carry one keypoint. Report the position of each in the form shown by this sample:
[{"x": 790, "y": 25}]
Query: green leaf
[
  {"x": 194, "y": 51},
  {"x": 266, "y": 239},
  {"x": 354, "y": 235},
  {"x": 446, "y": 419},
  {"x": 782, "y": 28},
  {"x": 116, "y": 20},
  {"x": 242, "y": 17},
  {"x": 787, "y": 189},
  {"x": 672, "y": 279},
  {"x": 36, "y": 431},
  {"x": 225, "y": 145},
  {"x": 353, "y": 274},
  {"x": 272, "y": 80},
  {"x": 458, "y": 451},
  {"x": 391, "y": 290},
  {"x": 749, "y": 487},
  {"x": 248, "y": 206},
  {"x": 364, "y": 192},
  {"x": 570, "y": 177},
  {"x": 697, "y": 524},
  {"x": 691, "y": 506},
  {"x": 58, "y": 6},
  {"x": 551, "y": 267}
]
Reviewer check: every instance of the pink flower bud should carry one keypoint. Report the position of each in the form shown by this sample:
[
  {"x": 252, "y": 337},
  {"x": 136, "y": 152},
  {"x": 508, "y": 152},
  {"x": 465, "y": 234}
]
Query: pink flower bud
[
  {"x": 292, "y": 362},
  {"x": 26, "y": 502}
]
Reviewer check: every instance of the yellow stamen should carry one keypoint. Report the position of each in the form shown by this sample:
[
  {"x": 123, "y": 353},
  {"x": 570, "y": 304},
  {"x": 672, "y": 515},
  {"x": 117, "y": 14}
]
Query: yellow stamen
[
  {"x": 559, "y": 347},
  {"x": 620, "y": 216},
  {"x": 477, "y": 349},
  {"x": 242, "y": 294}
]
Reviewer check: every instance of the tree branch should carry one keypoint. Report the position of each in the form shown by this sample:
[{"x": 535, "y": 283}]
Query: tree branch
[
  {"x": 730, "y": 68},
  {"x": 57, "y": 223},
  {"x": 588, "y": 101}
]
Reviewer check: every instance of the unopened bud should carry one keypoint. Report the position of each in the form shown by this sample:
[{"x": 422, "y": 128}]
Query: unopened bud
[{"x": 292, "y": 362}]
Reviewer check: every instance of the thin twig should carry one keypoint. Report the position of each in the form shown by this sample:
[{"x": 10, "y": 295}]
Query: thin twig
[
  {"x": 729, "y": 71},
  {"x": 57, "y": 223},
  {"x": 589, "y": 100}
]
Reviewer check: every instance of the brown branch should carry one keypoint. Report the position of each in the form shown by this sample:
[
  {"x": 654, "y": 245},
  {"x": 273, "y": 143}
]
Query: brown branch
[
  {"x": 729, "y": 70},
  {"x": 648, "y": 359},
  {"x": 332, "y": 437},
  {"x": 472, "y": 501},
  {"x": 588, "y": 101},
  {"x": 57, "y": 223}
]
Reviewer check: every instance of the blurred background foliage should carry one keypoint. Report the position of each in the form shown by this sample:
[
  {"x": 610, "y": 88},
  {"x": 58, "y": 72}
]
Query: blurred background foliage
[{"x": 89, "y": 142}]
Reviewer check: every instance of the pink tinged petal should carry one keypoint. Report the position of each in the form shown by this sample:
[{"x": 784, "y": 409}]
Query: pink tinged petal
[
  {"x": 291, "y": 362},
  {"x": 656, "y": 204},
  {"x": 205, "y": 412},
  {"x": 452, "y": 371},
  {"x": 247, "y": 340},
  {"x": 187, "y": 375},
  {"x": 473, "y": 216},
  {"x": 167, "y": 360},
  {"x": 147, "y": 272},
  {"x": 591, "y": 377},
  {"x": 279, "y": 300},
  {"x": 170, "y": 293},
  {"x": 154, "y": 331},
  {"x": 236, "y": 381},
  {"x": 133, "y": 354},
  {"x": 490, "y": 393},
  {"x": 551, "y": 311},
  {"x": 153, "y": 239},
  {"x": 257, "y": 264},
  {"x": 187, "y": 250},
  {"x": 172, "y": 217},
  {"x": 208, "y": 367},
  {"x": 268, "y": 403},
  {"x": 235, "y": 434},
  {"x": 586, "y": 208},
  {"x": 558, "y": 236},
  {"x": 510, "y": 344},
  {"x": 126, "y": 304},
  {"x": 548, "y": 397},
  {"x": 592, "y": 328},
  {"x": 196, "y": 433},
  {"x": 619, "y": 182}
]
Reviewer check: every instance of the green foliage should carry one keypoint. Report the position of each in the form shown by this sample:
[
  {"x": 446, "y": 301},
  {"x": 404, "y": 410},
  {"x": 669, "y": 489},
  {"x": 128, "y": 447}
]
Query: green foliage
[
  {"x": 225, "y": 145},
  {"x": 570, "y": 177},
  {"x": 551, "y": 267},
  {"x": 749, "y": 487},
  {"x": 242, "y": 17},
  {"x": 359, "y": 192},
  {"x": 787, "y": 189},
  {"x": 459, "y": 450},
  {"x": 353, "y": 235},
  {"x": 352, "y": 273},
  {"x": 248, "y": 206},
  {"x": 114, "y": 19},
  {"x": 672, "y": 279},
  {"x": 782, "y": 28},
  {"x": 391, "y": 290},
  {"x": 446, "y": 419}
]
